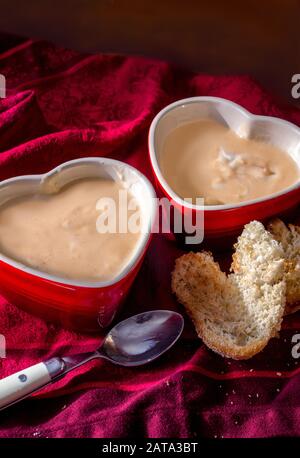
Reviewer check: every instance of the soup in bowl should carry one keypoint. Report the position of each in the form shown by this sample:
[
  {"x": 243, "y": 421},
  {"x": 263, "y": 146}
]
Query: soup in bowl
[
  {"x": 213, "y": 158},
  {"x": 67, "y": 250}
]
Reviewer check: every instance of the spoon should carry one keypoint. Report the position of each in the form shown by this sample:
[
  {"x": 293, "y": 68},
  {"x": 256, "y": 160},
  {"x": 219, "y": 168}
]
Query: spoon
[{"x": 133, "y": 342}]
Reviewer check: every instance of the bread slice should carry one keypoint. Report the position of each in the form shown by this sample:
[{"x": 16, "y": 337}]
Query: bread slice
[
  {"x": 289, "y": 237},
  {"x": 235, "y": 315}
]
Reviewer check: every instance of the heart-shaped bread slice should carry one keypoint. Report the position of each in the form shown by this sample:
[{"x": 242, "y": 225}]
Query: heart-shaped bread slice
[
  {"x": 289, "y": 237},
  {"x": 235, "y": 315}
]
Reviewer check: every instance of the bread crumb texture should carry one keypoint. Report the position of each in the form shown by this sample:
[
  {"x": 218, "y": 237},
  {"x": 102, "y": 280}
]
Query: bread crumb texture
[
  {"x": 289, "y": 237},
  {"x": 235, "y": 315}
]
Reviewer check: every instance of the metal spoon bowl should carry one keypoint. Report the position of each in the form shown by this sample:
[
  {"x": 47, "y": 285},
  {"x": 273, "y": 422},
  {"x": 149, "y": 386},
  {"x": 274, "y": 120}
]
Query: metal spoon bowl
[{"x": 142, "y": 338}]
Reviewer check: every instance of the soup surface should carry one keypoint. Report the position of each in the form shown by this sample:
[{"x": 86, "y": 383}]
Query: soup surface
[
  {"x": 206, "y": 159},
  {"x": 62, "y": 234}
]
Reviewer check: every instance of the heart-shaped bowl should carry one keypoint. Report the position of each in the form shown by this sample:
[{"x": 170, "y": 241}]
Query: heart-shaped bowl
[
  {"x": 79, "y": 305},
  {"x": 223, "y": 222}
]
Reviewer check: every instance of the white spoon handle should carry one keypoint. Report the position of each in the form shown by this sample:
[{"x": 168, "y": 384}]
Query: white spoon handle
[{"x": 19, "y": 385}]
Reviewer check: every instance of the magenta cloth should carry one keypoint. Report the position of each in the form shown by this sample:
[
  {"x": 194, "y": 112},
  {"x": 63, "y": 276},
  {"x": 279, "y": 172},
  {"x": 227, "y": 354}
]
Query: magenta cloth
[{"x": 62, "y": 105}]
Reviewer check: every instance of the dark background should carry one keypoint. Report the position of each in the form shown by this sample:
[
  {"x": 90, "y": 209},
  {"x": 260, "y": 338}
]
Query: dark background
[{"x": 257, "y": 37}]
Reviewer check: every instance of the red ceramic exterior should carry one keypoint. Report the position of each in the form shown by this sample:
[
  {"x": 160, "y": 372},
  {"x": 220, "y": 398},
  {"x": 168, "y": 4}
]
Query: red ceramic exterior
[
  {"x": 76, "y": 307},
  {"x": 222, "y": 226}
]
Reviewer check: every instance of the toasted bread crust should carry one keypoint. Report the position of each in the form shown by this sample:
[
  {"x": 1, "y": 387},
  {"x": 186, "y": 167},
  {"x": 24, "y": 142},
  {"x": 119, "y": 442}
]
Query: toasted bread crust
[
  {"x": 208, "y": 296},
  {"x": 186, "y": 275}
]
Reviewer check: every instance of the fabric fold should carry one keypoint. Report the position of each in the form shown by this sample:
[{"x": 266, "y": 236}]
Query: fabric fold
[{"x": 60, "y": 106}]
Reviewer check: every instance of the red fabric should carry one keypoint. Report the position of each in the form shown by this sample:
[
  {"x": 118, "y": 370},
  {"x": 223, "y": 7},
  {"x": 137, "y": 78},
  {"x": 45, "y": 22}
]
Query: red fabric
[{"x": 62, "y": 105}]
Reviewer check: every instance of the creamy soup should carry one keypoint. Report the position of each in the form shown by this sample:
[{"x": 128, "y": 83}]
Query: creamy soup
[
  {"x": 206, "y": 159},
  {"x": 58, "y": 233}
]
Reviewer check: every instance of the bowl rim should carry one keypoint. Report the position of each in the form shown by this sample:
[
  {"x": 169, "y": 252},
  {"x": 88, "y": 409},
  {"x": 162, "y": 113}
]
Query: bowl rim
[
  {"x": 198, "y": 99},
  {"x": 145, "y": 236}
]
